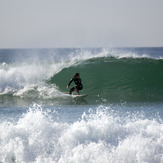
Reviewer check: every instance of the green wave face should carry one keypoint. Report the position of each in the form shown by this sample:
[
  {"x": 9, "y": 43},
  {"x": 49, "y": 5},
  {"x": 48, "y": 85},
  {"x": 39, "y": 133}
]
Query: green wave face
[{"x": 117, "y": 80}]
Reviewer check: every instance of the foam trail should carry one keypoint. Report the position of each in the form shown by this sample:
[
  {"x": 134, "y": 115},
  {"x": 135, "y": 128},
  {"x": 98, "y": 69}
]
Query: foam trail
[{"x": 100, "y": 136}]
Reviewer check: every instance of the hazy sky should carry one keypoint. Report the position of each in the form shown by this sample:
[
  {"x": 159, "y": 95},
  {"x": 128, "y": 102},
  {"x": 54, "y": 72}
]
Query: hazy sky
[{"x": 80, "y": 23}]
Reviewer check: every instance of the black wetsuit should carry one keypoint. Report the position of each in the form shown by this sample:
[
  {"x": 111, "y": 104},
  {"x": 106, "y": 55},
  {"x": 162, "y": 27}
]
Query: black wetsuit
[{"x": 78, "y": 85}]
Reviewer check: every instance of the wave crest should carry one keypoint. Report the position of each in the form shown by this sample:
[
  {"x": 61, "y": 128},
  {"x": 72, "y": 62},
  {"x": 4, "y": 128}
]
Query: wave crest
[{"x": 109, "y": 73}]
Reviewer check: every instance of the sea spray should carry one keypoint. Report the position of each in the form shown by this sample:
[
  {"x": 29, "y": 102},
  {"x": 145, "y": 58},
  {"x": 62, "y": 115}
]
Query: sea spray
[
  {"x": 100, "y": 135},
  {"x": 108, "y": 75},
  {"x": 119, "y": 121}
]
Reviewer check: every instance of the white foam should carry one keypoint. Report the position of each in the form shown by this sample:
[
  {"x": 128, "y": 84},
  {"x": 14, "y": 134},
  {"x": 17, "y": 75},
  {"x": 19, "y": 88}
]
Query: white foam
[
  {"x": 19, "y": 78},
  {"x": 100, "y": 136}
]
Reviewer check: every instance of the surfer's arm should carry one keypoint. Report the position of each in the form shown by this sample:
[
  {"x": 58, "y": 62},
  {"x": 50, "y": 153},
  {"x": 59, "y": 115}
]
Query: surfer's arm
[{"x": 69, "y": 83}]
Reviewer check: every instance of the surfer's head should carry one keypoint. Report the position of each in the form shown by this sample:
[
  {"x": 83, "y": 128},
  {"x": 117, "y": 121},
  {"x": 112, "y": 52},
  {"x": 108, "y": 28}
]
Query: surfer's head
[{"x": 77, "y": 75}]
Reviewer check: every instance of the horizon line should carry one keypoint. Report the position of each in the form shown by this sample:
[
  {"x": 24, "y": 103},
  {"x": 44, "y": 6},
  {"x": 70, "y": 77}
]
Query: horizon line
[{"x": 80, "y": 47}]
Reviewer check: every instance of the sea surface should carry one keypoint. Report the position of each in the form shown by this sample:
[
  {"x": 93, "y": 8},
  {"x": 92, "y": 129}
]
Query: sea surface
[{"x": 120, "y": 121}]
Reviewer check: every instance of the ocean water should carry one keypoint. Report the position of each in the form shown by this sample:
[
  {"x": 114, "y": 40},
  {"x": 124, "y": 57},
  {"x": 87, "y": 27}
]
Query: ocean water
[{"x": 120, "y": 121}]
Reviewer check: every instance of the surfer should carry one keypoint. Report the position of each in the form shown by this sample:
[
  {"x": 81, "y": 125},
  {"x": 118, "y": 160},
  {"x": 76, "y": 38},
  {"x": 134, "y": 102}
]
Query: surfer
[{"x": 78, "y": 85}]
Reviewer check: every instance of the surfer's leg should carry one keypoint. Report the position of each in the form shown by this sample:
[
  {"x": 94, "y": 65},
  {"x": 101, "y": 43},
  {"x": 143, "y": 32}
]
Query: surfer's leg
[
  {"x": 77, "y": 91},
  {"x": 72, "y": 90},
  {"x": 79, "y": 88}
]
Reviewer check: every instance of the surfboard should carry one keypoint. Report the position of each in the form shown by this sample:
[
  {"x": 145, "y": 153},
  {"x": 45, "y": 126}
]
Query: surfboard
[
  {"x": 76, "y": 96},
  {"x": 79, "y": 96}
]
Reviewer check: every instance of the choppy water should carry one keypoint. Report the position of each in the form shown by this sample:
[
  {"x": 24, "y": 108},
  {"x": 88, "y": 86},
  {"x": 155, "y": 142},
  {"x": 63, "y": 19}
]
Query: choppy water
[{"x": 119, "y": 121}]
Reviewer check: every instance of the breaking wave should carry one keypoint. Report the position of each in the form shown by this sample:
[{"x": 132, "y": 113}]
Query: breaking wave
[
  {"x": 101, "y": 135},
  {"x": 111, "y": 75}
]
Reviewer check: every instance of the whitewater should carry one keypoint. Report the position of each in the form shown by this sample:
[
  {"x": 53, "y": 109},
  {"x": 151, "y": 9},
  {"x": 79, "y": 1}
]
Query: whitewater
[{"x": 121, "y": 120}]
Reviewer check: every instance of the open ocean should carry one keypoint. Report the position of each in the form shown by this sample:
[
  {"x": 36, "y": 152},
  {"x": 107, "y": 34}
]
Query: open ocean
[{"x": 120, "y": 121}]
